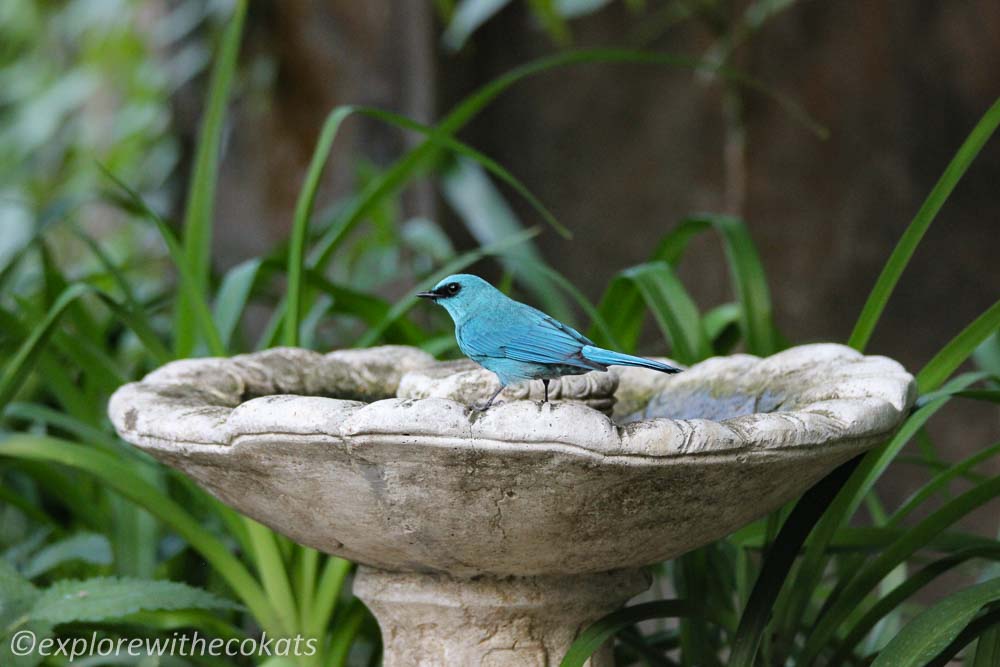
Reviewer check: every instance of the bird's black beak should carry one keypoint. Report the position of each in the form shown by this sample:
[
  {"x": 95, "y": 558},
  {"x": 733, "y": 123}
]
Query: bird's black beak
[{"x": 428, "y": 295}]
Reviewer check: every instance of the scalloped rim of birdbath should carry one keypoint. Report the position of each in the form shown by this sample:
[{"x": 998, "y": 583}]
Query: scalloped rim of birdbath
[
  {"x": 525, "y": 488},
  {"x": 839, "y": 394}
]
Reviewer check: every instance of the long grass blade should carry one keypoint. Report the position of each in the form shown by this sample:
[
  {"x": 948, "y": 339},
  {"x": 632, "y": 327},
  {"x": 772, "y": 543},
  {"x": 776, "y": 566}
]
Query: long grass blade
[
  {"x": 274, "y": 576},
  {"x": 913, "y": 583},
  {"x": 988, "y": 621},
  {"x": 873, "y": 572},
  {"x": 792, "y": 606},
  {"x": 197, "y": 307},
  {"x": 750, "y": 285},
  {"x": 959, "y": 349},
  {"x": 591, "y": 639},
  {"x": 347, "y": 630},
  {"x": 380, "y": 187},
  {"x": 370, "y": 309},
  {"x": 900, "y": 257},
  {"x": 673, "y": 309},
  {"x": 934, "y": 629},
  {"x": 21, "y": 363},
  {"x": 328, "y": 591},
  {"x": 232, "y": 298},
  {"x": 779, "y": 561},
  {"x": 300, "y": 223},
  {"x": 939, "y": 481},
  {"x": 988, "y": 649},
  {"x": 200, "y": 206},
  {"x": 745, "y": 269}
]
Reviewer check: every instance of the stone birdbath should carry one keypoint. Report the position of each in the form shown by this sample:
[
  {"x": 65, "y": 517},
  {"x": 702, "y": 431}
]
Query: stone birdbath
[{"x": 490, "y": 539}]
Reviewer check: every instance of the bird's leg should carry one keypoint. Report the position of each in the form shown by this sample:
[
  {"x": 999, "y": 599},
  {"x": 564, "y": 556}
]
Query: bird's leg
[
  {"x": 545, "y": 383},
  {"x": 489, "y": 402}
]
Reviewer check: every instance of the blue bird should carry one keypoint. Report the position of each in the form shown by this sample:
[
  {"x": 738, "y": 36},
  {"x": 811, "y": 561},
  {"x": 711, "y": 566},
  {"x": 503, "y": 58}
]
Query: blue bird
[{"x": 518, "y": 342}]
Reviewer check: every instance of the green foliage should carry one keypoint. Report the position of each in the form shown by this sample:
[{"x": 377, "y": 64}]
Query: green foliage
[
  {"x": 597, "y": 634},
  {"x": 904, "y": 250},
  {"x": 92, "y": 531},
  {"x": 105, "y": 598},
  {"x": 99, "y": 599},
  {"x": 934, "y": 629},
  {"x": 198, "y": 219}
]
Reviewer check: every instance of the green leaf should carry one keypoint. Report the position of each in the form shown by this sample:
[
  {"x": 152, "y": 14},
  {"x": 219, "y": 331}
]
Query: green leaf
[
  {"x": 622, "y": 309},
  {"x": 15, "y": 592},
  {"x": 328, "y": 592},
  {"x": 103, "y": 598},
  {"x": 794, "y": 598},
  {"x": 940, "y": 481},
  {"x": 92, "y": 548},
  {"x": 871, "y": 573},
  {"x": 470, "y": 156},
  {"x": 913, "y": 583},
  {"x": 745, "y": 269},
  {"x": 750, "y": 285},
  {"x": 987, "y": 356},
  {"x": 50, "y": 417},
  {"x": 271, "y": 568},
  {"x": 300, "y": 223},
  {"x": 196, "y": 308},
  {"x": 208, "y": 621},
  {"x": 17, "y": 596},
  {"x": 345, "y": 632},
  {"x": 376, "y": 190},
  {"x": 932, "y": 630},
  {"x": 673, "y": 309},
  {"x": 200, "y": 206},
  {"x": 121, "y": 478},
  {"x": 113, "y": 270},
  {"x": 548, "y": 16},
  {"x": 591, "y": 639},
  {"x": 988, "y": 649},
  {"x": 911, "y": 238},
  {"x": 778, "y": 562},
  {"x": 370, "y": 309},
  {"x": 959, "y": 349},
  {"x": 232, "y": 297},
  {"x": 21, "y": 363},
  {"x": 466, "y": 18}
]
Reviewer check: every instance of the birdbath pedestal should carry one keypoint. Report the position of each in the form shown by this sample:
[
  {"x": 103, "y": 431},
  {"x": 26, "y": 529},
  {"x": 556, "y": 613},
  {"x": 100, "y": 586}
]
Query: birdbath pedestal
[{"x": 490, "y": 539}]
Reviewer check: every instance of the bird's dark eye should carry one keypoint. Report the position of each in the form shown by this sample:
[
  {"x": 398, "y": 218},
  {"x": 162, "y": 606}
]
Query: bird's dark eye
[{"x": 453, "y": 288}]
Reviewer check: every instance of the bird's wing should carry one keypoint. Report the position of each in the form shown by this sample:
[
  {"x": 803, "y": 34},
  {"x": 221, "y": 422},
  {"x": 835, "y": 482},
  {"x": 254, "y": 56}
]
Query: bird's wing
[{"x": 534, "y": 338}]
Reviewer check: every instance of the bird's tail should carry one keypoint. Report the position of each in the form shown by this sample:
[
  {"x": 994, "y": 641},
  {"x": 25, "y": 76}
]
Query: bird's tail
[{"x": 609, "y": 358}]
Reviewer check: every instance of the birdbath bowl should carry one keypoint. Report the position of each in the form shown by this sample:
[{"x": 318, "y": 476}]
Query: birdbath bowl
[{"x": 493, "y": 538}]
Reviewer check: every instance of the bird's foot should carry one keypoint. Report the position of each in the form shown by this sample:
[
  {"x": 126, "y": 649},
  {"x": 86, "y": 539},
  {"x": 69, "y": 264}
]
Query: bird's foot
[{"x": 484, "y": 407}]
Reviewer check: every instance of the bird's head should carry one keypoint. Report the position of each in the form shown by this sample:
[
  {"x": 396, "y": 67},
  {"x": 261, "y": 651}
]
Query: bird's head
[{"x": 461, "y": 294}]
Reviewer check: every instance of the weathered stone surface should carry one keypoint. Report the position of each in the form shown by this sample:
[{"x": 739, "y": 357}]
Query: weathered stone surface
[
  {"x": 433, "y": 619},
  {"x": 469, "y": 383},
  {"x": 529, "y": 490}
]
